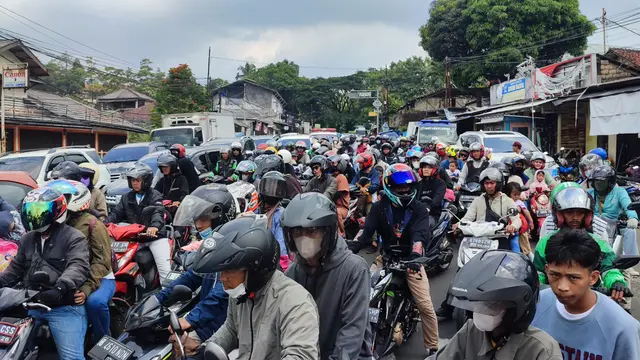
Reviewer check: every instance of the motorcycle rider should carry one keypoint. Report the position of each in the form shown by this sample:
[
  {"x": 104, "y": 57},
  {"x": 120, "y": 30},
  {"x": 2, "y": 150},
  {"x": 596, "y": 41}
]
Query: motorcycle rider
[
  {"x": 366, "y": 169},
  {"x": 403, "y": 144},
  {"x": 441, "y": 150},
  {"x": 71, "y": 171},
  {"x": 270, "y": 315},
  {"x": 538, "y": 161},
  {"x": 350, "y": 172},
  {"x": 226, "y": 165},
  {"x": 399, "y": 218},
  {"x": 573, "y": 209},
  {"x": 413, "y": 159},
  {"x": 518, "y": 170},
  {"x": 474, "y": 166},
  {"x": 611, "y": 201},
  {"x": 321, "y": 182},
  {"x": 347, "y": 145},
  {"x": 236, "y": 151},
  {"x": 588, "y": 163},
  {"x": 339, "y": 286},
  {"x": 186, "y": 166},
  {"x": 268, "y": 163},
  {"x": 287, "y": 159},
  {"x": 517, "y": 147},
  {"x": 62, "y": 252},
  {"x": 246, "y": 170},
  {"x": 364, "y": 145},
  {"x": 337, "y": 168},
  {"x": 387, "y": 154},
  {"x": 144, "y": 206},
  {"x": 501, "y": 289},
  {"x": 14, "y": 229},
  {"x": 172, "y": 185},
  {"x": 432, "y": 186},
  {"x": 90, "y": 176},
  {"x": 303, "y": 155},
  {"x": 98, "y": 289},
  {"x": 580, "y": 319},
  {"x": 271, "y": 191}
]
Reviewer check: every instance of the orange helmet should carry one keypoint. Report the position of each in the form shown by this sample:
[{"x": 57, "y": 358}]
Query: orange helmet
[{"x": 364, "y": 160}]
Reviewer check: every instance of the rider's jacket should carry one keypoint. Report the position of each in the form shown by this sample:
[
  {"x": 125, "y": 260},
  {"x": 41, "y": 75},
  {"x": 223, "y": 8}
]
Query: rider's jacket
[
  {"x": 396, "y": 225},
  {"x": 65, "y": 257},
  {"x": 610, "y": 275},
  {"x": 189, "y": 171},
  {"x": 389, "y": 159},
  {"x": 173, "y": 187},
  {"x": 226, "y": 168},
  {"x": 615, "y": 203},
  {"x": 471, "y": 171},
  {"x": 374, "y": 176},
  {"x": 149, "y": 212},
  {"x": 434, "y": 188},
  {"x": 211, "y": 311},
  {"x": 339, "y": 289},
  {"x": 279, "y": 322},
  {"x": 326, "y": 185},
  {"x": 479, "y": 211}
]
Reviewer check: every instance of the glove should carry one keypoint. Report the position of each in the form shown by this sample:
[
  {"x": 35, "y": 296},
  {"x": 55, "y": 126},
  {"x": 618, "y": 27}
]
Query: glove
[
  {"x": 622, "y": 287},
  {"x": 632, "y": 223},
  {"x": 52, "y": 296},
  {"x": 354, "y": 246},
  {"x": 415, "y": 267}
]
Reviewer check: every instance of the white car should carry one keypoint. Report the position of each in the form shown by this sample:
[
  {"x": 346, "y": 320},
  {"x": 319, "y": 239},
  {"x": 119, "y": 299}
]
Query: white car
[{"x": 39, "y": 163}]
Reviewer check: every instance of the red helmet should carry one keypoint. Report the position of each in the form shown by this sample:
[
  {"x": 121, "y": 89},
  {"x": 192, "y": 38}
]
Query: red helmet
[
  {"x": 441, "y": 149},
  {"x": 178, "y": 151},
  {"x": 365, "y": 160},
  {"x": 262, "y": 146}
]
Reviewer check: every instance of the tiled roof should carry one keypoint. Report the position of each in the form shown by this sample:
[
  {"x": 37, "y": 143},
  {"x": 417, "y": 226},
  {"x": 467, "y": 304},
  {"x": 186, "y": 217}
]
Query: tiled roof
[
  {"x": 124, "y": 94},
  {"x": 631, "y": 55}
]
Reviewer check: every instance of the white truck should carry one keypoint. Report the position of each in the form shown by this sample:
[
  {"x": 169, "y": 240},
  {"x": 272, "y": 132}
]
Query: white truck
[{"x": 192, "y": 129}]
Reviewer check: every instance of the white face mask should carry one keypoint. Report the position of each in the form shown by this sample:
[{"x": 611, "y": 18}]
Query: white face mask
[
  {"x": 236, "y": 292},
  {"x": 416, "y": 164},
  {"x": 487, "y": 322},
  {"x": 308, "y": 247}
]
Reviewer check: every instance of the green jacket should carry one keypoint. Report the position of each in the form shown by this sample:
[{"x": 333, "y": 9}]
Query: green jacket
[
  {"x": 99, "y": 246},
  {"x": 610, "y": 275}
]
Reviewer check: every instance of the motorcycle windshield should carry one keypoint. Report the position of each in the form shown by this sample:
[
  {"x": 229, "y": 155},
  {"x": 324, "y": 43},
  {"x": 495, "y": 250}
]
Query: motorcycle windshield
[
  {"x": 10, "y": 297},
  {"x": 148, "y": 309},
  {"x": 191, "y": 208},
  {"x": 471, "y": 187}
]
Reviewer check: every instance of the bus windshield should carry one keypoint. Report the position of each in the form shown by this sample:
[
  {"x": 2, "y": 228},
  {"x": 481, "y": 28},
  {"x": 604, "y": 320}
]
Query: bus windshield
[
  {"x": 184, "y": 136},
  {"x": 445, "y": 134}
]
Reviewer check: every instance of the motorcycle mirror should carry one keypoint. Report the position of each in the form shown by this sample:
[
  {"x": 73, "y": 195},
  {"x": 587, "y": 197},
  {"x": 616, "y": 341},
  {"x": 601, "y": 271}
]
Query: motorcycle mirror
[
  {"x": 626, "y": 261},
  {"x": 213, "y": 351},
  {"x": 634, "y": 206},
  {"x": 364, "y": 181},
  {"x": 181, "y": 293},
  {"x": 40, "y": 278},
  {"x": 512, "y": 212},
  {"x": 562, "y": 148}
]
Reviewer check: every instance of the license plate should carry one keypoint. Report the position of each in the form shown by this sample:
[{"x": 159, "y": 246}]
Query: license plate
[
  {"x": 542, "y": 213},
  {"x": 119, "y": 246},
  {"x": 7, "y": 333},
  {"x": 479, "y": 243},
  {"x": 110, "y": 348},
  {"x": 173, "y": 275},
  {"x": 374, "y": 315}
]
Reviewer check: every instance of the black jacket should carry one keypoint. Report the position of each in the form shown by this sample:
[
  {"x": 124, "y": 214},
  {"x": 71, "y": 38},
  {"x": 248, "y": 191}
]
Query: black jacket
[
  {"x": 350, "y": 173},
  {"x": 65, "y": 258},
  {"x": 150, "y": 211},
  {"x": 173, "y": 187},
  {"x": 189, "y": 171},
  {"x": 434, "y": 188},
  {"x": 416, "y": 229},
  {"x": 328, "y": 186}
]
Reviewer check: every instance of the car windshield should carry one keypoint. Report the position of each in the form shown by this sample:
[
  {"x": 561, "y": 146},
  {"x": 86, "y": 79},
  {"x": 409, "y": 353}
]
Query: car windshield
[
  {"x": 184, "y": 136},
  {"x": 30, "y": 164},
  {"x": 505, "y": 144},
  {"x": 445, "y": 134},
  {"x": 125, "y": 154},
  {"x": 292, "y": 140},
  {"x": 259, "y": 141},
  {"x": 13, "y": 193}
]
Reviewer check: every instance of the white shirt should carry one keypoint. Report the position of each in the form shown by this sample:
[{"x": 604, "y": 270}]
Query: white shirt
[{"x": 569, "y": 316}]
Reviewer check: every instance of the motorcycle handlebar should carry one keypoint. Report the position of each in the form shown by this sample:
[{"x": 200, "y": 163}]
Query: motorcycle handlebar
[{"x": 33, "y": 306}]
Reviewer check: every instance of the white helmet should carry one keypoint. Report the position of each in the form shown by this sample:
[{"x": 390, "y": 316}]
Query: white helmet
[
  {"x": 315, "y": 146},
  {"x": 76, "y": 193},
  {"x": 96, "y": 170},
  {"x": 346, "y": 157},
  {"x": 285, "y": 155}
]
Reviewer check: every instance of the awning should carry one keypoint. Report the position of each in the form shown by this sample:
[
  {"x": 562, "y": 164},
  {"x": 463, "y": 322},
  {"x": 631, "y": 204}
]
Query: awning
[
  {"x": 516, "y": 107},
  {"x": 616, "y": 114},
  {"x": 491, "y": 120},
  {"x": 595, "y": 95}
]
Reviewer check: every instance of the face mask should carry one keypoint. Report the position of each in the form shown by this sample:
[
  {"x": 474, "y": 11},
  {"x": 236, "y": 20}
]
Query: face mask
[
  {"x": 206, "y": 233},
  {"x": 377, "y": 141},
  {"x": 85, "y": 181},
  {"x": 236, "y": 292},
  {"x": 487, "y": 322},
  {"x": 308, "y": 247},
  {"x": 245, "y": 178},
  {"x": 415, "y": 164}
]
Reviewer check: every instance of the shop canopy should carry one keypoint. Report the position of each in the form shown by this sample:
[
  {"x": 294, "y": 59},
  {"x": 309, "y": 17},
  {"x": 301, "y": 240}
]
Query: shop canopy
[{"x": 616, "y": 114}]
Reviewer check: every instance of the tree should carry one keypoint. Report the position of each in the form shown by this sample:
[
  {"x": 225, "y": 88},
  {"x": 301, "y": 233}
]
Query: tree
[
  {"x": 245, "y": 70},
  {"x": 283, "y": 76},
  {"x": 180, "y": 93},
  {"x": 146, "y": 79},
  {"x": 485, "y": 39},
  {"x": 66, "y": 75}
]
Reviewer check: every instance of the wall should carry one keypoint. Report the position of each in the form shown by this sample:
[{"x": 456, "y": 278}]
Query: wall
[
  {"x": 573, "y": 136},
  {"x": 610, "y": 71}
]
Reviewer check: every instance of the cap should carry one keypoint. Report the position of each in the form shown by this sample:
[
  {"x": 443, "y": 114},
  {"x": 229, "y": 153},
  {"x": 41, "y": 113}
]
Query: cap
[{"x": 517, "y": 143}]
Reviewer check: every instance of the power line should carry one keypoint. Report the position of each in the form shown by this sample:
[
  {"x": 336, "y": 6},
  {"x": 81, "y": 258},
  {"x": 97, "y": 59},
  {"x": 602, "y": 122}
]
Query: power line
[
  {"x": 624, "y": 27},
  {"x": 300, "y": 66}
]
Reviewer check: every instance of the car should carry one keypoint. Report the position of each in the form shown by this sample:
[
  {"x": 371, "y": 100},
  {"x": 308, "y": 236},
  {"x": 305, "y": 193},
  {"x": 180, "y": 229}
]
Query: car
[
  {"x": 294, "y": 138},
  {"x": 329, "y": 135},
  {"x": 248, "y": 145},
  {"x": 261, "y": 139},
  {"x": 204, "y": 159},
  {"x": 122, "y": 156},
  {"x": 501, "y": 143},
  {"x": 14, "y": 186},
  {"x": 39, "y": 163}
]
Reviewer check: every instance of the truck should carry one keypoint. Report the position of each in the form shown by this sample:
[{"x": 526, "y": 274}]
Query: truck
[
  {"x": 192, "y": 129},
  {"x": 444, "y": 130}
]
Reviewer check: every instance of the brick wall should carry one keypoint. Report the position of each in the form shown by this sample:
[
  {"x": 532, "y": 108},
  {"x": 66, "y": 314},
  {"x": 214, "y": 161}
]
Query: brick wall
[{"x": 610, "y": 72}]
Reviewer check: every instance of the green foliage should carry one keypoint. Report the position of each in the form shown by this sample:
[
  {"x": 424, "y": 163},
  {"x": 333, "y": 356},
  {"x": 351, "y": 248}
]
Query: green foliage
[
  {"x": 492, "y": 36},
  {"x": 137, "y": 137},
  {"x": 180, "y": 93},
  {"x": 67, "y": 75}
]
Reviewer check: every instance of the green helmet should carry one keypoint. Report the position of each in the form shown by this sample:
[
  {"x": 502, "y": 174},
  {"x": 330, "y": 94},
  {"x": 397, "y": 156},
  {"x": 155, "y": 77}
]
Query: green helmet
[{"x": 560, "y": 187}]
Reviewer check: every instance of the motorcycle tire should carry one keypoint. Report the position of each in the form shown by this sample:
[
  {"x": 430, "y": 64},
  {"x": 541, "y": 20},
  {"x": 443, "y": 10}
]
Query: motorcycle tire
[
  {"x": 442, "y": 267},
  {"x": 117, "y": 318},
  {"x": 460, "y": 316}
]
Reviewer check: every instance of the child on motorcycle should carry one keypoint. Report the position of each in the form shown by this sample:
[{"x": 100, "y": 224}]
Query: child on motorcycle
[
  {"x": 538, "y": 184},
  {"x": 513, "y": 190}
]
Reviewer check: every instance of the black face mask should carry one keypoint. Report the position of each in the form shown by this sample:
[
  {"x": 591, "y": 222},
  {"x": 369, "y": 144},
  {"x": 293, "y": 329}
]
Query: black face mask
[{"x": 518, "y": 170}]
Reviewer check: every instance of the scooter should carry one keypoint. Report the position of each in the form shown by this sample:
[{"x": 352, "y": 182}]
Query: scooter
[
  {"x": 146, "y": 329},
  {"x": 540, "y": 206},
  {"x": 440, "y": 252},
  {"x": 467, "y": 194}
]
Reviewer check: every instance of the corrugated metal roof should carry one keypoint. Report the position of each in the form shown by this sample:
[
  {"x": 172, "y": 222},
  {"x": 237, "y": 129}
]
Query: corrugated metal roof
[
  {"x": 516, "y": 107},
  {"x": 124, "y": 94}
]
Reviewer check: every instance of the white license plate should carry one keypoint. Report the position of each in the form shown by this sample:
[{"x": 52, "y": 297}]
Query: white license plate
[
  {"x": 374, "y": 315},
  {"x": 540, "y": 213},
  {"x": 173, "y": 275},
  {"x": 119, "y": 246},
  {"x": 110, "y": 348}
]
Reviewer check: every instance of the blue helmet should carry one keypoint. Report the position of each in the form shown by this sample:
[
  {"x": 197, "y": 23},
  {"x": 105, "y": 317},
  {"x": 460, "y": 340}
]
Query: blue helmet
[
  {"x": 600, "y": 152},
  {"x": 400, "y": 175}
]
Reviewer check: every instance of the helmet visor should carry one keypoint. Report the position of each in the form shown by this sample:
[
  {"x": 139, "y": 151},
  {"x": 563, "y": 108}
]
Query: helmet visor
[
  {"x": 573, "y": 198},
  {"x": 273, "y": 187},
  {"x": 601, "y": 185},
  {"x": 403, "y": 178},
  {"x": 193, "y": 207},
  {"x": 483, "y": 307},
  {"x": 38, "y": 215}
]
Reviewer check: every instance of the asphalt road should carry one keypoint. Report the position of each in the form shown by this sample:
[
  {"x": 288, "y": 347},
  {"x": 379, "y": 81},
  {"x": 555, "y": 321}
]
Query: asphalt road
[{"x": 414, "y": 348}]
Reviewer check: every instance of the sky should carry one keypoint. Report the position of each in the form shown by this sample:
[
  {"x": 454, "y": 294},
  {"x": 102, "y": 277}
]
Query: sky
[{"x": 325, "y": 37}]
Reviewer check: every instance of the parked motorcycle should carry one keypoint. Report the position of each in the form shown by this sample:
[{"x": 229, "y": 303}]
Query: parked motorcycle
[{"x": 392, "y": 310}]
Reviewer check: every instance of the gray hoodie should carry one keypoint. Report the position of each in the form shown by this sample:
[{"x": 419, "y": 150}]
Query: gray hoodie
[{"x": 341, "y": 289}]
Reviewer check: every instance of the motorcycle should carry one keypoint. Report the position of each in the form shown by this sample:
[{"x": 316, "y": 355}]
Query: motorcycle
[
  {"x": 540, "y": 206},
  {"x": 354, "y": 222},
  {"x": 440, "y": 251},
  {"x": 245, "y": 194},
  {"x": 146, "y": 328},
  {"x": 467, "y": 194}
]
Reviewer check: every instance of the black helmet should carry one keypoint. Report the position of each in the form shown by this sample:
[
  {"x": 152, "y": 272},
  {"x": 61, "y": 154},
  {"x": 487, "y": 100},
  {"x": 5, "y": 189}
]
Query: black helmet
[
  {"x": 387, "y": 146},
  {"x": 168, "y": 160},
  {"x": 319, "y": 160},
  {"x": 67, "y": 170},
  {"x": 308, "y": 210},
  {"x": 244, "y": 243},
  {"x": 508, "y": 161},
  {"x": 603, "y": 179},
  {"x": 140, "y": 171},
  {"x": 223, "y": 201},
  {"x": 491, "y": 173},
  {"x": 273, "y": 185},
  {"x": 267, "y": 163},
  {"x": 341, "y": 164},
  {"x": 496, "y": 281}
]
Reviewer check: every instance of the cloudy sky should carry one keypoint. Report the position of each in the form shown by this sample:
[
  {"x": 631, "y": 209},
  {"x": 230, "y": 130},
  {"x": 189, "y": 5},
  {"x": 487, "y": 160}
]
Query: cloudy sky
[{"x": 325, "y": 37}]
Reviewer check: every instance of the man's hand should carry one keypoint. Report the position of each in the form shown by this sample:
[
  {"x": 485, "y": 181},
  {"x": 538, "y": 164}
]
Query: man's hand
[
  {"x": 457, "y": 187},
  {"x": 618, "y": 291},
  {"x": 79, "y": 297},
  {"x": 189, "y": 344},
  {"x": 510, "y": 229},
  {"x": 152, "y": 231},
  {"x": 454, "y": 227},
  {"x": 354, "y": 246},
  {"x": 175, "y": 204},
  {"x": 632, "y": 223}
]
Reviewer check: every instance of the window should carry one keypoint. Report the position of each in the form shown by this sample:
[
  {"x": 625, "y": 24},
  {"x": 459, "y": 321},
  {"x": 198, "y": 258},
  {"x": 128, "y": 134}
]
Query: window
[
  {"x": 200, "y": 163},
  {"x": 13, "y": 193},
  {"x": 31, "y": 164},
  {"x": 77, "y": 158},
  {"x": 160, "y": 148},
  {"x": 94, "y": 156},
  {"x": 199, "y": 136},
  {"x": 213, "y": 159},
  {"x": 125, "y": 154},
  {"x": 52, "y": 164},
  {"x": 466, "y": 141}
]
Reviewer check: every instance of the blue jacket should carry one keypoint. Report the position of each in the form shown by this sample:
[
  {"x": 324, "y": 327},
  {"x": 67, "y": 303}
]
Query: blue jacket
[
  {"x": 211, "y": 312},
  {"x": 614, "y": 204},
  {"x": 276, "y": 229},
  {"x": 375, "y": 180}
]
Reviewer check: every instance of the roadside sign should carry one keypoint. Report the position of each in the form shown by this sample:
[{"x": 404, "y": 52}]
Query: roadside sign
[
  {"x": 361, "y": 94},
  {"x": 377, "y": 104},
  {"x": 373, "y": 114},
  {"x": 15, "y": 77}
]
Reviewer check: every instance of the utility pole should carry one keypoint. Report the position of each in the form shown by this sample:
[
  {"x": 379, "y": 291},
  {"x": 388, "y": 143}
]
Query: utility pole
[
  {"x": 209, "y": 76},
  {"x": 447, "y": 82},
  {"x": 604, "y": 30},
  {"x": 377, "y": 112}
]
